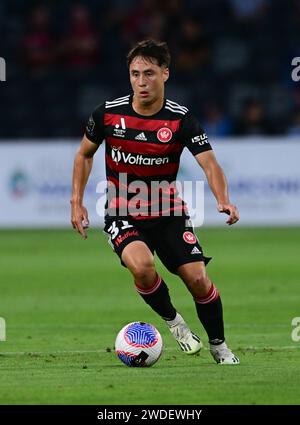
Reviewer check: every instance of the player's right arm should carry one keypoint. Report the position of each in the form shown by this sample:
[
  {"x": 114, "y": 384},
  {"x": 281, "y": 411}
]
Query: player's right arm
[
  {"x": 82, "y": 167},
  {"x": 94, "y": 135}
]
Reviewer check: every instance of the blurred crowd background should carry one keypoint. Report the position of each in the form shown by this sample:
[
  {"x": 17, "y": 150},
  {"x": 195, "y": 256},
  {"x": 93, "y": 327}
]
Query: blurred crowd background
[{"x": 231, "y": 62}]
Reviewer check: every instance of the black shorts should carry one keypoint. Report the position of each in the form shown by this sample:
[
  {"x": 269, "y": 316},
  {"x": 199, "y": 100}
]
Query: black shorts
[{"x": 171, "y": 238}]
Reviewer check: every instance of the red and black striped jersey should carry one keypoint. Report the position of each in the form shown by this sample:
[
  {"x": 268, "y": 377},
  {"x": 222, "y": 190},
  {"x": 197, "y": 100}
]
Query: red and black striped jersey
[{"x": 142, "y": 156}]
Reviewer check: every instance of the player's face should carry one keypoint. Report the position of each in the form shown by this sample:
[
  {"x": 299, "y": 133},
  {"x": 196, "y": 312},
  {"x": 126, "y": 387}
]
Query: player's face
[{"x": 147, "y": 80}]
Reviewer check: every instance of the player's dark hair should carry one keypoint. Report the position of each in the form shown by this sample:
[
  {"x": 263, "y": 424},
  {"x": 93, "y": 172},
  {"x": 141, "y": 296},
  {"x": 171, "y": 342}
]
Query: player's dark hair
[{"x": 151, "y": 49}]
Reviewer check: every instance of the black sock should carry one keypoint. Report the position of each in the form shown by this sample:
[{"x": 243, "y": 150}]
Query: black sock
[
  {"x": 210, "y": 313},
  {"x": 158, "y": 299}
]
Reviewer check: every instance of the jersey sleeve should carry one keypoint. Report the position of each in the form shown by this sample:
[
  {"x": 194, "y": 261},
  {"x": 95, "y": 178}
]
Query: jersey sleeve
[
  {"x": 193, "y": 136},
  {"x": 94, "y": 130}
]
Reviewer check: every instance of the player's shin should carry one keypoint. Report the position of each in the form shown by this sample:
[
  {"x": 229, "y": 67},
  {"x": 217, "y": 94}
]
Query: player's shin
[
  {"x": 158, "y": 298},
  {"x": 210, "y": 313}
]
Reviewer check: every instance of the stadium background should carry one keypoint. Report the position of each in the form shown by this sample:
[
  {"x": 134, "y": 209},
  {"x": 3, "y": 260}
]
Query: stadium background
[{"x": 63, "y": 299}]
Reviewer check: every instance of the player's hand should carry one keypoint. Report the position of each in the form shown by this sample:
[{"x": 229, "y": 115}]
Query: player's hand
[
  {"x": 79, "y": 218},
  {"x": 231, "y": 210}
]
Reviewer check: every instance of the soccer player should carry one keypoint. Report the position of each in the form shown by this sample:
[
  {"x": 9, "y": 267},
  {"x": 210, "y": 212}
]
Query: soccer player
[{"x": 144, "y": 137}]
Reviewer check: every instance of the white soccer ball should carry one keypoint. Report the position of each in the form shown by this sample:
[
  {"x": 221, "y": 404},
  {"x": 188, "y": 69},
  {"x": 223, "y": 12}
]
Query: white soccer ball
[{"x": 139, "y": 344}]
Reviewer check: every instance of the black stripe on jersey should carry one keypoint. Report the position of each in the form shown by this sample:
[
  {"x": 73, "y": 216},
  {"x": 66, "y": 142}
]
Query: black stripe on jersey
[{"x": 131, "y": 134}]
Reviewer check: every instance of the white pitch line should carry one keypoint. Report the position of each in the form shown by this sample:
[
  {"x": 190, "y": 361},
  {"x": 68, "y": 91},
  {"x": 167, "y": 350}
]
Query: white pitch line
[
  {"x": 107, "y": 325},
  {"x": 49, "y": 353},
  {"x": 279, "y": 347}
]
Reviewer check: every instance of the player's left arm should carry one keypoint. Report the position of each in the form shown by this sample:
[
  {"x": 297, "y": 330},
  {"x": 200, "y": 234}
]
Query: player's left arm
[{"x": 218, "y": 184}]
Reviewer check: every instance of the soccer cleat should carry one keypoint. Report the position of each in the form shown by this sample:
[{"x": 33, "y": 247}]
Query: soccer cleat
[
  {"x": 186, "y": 339},
  {"x": 223, "y": 355}
]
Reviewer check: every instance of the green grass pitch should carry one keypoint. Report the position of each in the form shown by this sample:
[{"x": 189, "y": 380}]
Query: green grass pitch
[{"x": 64, "y": 301}]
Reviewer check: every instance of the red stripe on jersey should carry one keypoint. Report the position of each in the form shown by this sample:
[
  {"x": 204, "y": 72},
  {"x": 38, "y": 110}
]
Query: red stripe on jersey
[
  {"x": 141, "y": 203},
  {"x": 169, "y": 190},
  {"x": 146, "y": 124},
  {"x": 140, "y": 210},
  {"x": 142, "y": 170},
  {"x": 161, "y": 213},
  {"x": 135, "y": 146}
]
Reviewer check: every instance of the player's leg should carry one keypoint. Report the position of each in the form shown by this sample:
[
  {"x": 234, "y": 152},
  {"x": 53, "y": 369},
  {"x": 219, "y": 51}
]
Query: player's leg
[
  {"x": 209, "y": 309},
  {"x": 134, "y": 248},
  {"x": 139, "y": 260},
  {"x": 207, "y": 299},
  {"x": 182, "y": 254}
]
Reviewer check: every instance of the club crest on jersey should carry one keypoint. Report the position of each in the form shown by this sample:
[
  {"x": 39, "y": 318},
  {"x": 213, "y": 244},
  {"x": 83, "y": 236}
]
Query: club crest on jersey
[
  {"x": 189, "y": 237},
  {"x": 164, "y": 134}
]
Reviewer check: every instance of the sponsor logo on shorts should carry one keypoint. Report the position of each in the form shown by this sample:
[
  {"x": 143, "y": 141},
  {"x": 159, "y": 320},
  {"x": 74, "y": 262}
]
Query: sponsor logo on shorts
[
  {"x": 189, "y": 237},
  {"x": 126, "y": 235},
  {"x": 195, "y": 250},
  {"x": 164, "y": 134}
]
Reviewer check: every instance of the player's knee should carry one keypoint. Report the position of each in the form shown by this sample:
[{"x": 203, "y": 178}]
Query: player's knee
[
  {"x": 199, "y": 283},
  {"x": 143, "y": 270}
]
